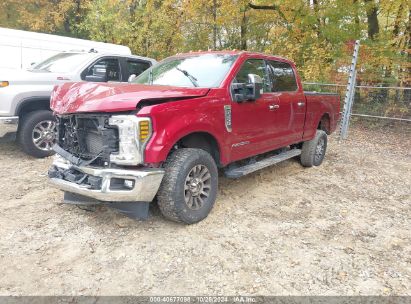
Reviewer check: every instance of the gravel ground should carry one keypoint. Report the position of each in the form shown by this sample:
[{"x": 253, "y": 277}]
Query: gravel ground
[{"x": 339, "y": 229}]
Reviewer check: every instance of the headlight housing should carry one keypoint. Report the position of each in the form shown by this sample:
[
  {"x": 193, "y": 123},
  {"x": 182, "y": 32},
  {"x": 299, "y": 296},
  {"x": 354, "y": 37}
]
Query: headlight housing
[
  {"x": 134, "y": 133},
  {"x": 4, "y": 84}
]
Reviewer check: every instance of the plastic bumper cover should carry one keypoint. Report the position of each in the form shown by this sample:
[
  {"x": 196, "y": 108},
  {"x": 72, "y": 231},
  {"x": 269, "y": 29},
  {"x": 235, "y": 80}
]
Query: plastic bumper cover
[
  {"x": 8, "y": 125},
  {"x": 143, "y": 184},
  {"x": 11, "y": 120}
]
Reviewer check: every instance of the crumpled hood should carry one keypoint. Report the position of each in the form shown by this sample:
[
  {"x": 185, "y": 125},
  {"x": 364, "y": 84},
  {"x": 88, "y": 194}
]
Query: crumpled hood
[{"x": 76, "y": 97}]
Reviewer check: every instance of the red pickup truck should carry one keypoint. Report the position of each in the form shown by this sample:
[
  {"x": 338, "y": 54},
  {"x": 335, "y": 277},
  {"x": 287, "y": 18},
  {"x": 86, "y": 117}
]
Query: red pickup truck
[{"x": 166, "y": 134}]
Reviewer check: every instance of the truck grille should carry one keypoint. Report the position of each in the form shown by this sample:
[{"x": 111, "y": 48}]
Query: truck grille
[{"x": 88, "y": 137}]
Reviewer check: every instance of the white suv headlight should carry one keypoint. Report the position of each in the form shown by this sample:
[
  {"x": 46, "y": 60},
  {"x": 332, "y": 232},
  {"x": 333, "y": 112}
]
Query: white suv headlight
[
  {"x": 134, "y": 132},
  {"x": 4, "y": 84}
]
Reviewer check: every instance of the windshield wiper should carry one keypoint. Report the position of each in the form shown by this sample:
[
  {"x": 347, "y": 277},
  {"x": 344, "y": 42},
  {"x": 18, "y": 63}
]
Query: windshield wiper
[{"x": 189, "y": 76}]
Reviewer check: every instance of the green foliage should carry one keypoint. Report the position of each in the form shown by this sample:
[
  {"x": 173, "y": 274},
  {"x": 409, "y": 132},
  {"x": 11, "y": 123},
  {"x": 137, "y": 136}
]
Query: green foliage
[{"x": 316, "y": 34}]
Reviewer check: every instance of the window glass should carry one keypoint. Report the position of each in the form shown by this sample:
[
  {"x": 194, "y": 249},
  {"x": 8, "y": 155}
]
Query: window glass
[
  {"x": 253, "y": 66},
  {"x": 136, "y": 67},
  {"x": 282, "y": 77},
  {"x": 203, "y": 70},
  {"x": 108, "y": 66},
  {"x": 62, "y": 63}
]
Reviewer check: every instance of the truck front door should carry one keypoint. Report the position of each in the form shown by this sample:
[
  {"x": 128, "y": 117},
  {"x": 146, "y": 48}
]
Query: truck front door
[
  {"x": 252, "y": 120},
  {"x": 106, "y": 68}
]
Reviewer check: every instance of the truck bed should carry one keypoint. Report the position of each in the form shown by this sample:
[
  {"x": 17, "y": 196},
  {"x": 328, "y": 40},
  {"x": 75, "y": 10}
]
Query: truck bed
[
  {"x": 319, "y": 93},
  {"x": 327, "y": 104}
]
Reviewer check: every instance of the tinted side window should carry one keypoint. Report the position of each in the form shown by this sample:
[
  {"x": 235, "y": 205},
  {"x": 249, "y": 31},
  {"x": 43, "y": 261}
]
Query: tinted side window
[
  {"x": 282, "y": 77},
  {"x": 110, "y": 66},
  {"x": 253, "y": 66},
  {"x": 136, "y": 67}
]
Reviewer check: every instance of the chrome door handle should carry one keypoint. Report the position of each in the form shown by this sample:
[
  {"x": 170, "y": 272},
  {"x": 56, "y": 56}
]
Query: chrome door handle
[
  {"x": 272, "y": 107},
  {"x": 300, "y": 103}
]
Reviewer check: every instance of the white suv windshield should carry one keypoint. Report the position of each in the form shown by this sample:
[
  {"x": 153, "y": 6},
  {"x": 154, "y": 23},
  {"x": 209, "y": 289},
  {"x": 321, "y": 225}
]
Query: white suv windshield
[
  {"x": 61, "y": 63},
  {"x": 203, "y": 70}
]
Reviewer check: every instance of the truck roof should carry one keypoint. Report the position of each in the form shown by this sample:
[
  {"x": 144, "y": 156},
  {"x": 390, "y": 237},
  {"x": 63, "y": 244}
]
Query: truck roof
[
  {"x": 98, "y": 54},
  {"x": 232, "y": 52}
]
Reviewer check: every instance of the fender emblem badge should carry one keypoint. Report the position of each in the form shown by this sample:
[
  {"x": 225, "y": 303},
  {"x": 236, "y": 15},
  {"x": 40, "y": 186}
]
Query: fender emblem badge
[{"x": 227, "y": 118}]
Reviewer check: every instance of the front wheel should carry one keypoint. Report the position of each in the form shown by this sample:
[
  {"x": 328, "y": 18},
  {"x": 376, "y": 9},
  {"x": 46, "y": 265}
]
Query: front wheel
[
  {"x": 189, "y": 187},
  {"x": 313, "y": 151},
  {"x": 37, "y": 133}
]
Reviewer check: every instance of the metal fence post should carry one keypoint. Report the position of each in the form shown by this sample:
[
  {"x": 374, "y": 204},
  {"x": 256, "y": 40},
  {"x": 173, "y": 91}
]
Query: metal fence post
[{"x": 350, "y": 92}]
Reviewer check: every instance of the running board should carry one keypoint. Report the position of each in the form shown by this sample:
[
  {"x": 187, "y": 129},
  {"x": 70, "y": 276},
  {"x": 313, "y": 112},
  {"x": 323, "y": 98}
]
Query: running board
[{"x": 247, "y": 169}]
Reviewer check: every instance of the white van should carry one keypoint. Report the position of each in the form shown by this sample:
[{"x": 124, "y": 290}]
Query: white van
[
  {"x": 25, "y": 87},
  {"x": 21, "y": 49}
]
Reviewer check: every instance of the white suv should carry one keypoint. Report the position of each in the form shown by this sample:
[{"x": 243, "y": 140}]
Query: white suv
[{"x": 25, "y": 95}]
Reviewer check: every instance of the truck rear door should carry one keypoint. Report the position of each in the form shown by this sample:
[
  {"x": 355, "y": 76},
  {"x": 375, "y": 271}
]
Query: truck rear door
[
  {"x": 132, "y": 66},
  {"x": 290, "y": 105}
]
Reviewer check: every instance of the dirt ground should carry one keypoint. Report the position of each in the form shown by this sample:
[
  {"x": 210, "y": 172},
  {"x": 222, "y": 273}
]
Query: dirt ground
[{"x": 339, "y": 229}]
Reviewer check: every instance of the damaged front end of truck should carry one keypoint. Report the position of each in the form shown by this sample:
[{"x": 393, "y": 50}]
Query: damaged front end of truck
[{"x": 100, "y": 161}]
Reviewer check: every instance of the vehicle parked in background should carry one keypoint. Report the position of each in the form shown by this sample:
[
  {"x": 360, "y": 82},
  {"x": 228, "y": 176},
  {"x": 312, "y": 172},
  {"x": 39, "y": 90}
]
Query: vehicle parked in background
[
  {"x": 25, "y": 94},
  {"x": 166, "y": 135},
  {"x": 20, "y": 49}
]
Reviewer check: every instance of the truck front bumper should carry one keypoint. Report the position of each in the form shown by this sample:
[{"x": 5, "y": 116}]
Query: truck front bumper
[
  {"x": 108, "y": 185},
  {"x": 8, "y": 125},
  {"x": 10, "y": 120}
]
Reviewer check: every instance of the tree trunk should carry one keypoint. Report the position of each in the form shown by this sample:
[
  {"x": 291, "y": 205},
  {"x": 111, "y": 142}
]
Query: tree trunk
[
  {"x": 243, "y": 31},
  {"x": 214, "y": 24},
  {"x": 407, "y": 74},
  {"x": 397, "y": 21},
  {"x": 77, "y": 14},
  {"x": 356, "y": 18},
  {"x": 372, "y": 19},
  {"x": 317, "y": 15},
  {"x": 67, "y": 27}
]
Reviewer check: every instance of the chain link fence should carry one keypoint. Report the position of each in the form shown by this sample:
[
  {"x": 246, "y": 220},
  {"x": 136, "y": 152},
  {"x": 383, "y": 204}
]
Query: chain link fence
[{"x": 383, "y": 105}]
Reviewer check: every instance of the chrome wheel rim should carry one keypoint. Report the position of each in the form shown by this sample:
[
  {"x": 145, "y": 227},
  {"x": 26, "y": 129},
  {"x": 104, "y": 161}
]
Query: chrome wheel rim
[
  {"x": 197, "y": 187},
  {"x": 44, "y": 135},
  {"x": 319, "y": 150}
]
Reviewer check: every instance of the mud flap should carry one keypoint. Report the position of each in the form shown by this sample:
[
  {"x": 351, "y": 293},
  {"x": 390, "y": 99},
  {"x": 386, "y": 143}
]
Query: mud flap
[
  {"x": 77, "y": 199},
  {"x": 134, "y": 210}
]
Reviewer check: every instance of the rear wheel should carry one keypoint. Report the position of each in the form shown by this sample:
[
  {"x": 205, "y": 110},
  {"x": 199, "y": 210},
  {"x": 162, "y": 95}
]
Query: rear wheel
[
  {"x": 189, "y": 187},
  {"x": 313, "y": 151},
  {"x": 37, "y": 133}
]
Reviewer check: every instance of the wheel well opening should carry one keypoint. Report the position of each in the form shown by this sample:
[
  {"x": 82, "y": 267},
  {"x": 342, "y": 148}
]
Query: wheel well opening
[
  {"x": 33, "y": 105},
  {"x": 324, "y": 123},
  {"x": 201, "y": 140}
]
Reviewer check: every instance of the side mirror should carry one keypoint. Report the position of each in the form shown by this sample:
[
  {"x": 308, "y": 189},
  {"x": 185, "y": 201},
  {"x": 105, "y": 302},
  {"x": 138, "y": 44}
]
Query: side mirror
[
  {"x": 255, "y": 86},
  {"x": 98, "y": 73},
  {"x": 131, "y": 78},
  {"x": 251, "y": 90}
]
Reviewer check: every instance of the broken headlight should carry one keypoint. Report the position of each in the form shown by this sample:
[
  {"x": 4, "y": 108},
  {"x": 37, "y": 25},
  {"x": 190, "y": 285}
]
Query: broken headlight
[{"x": 134, "y": 132}]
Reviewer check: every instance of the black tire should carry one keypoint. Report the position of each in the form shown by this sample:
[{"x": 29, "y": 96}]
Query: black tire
[
  {"x": 180, "y": 169},
  {"x": 25, "y": 135},
  {"x": 313, "y": 151}
]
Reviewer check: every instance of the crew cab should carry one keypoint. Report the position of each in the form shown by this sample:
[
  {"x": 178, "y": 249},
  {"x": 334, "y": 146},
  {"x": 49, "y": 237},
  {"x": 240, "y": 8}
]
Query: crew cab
[
  {"x": 25, "y": 94},
  {"x": 166, "y": 135}
]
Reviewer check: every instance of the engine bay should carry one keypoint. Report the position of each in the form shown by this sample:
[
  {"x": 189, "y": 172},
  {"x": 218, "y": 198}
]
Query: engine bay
[{"x": 88, "y": 137}]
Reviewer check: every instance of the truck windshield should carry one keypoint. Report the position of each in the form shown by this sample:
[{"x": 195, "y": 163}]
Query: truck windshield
[
  {"x": 61, "y": 63},
  {"x": 203, "y": 70}
]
